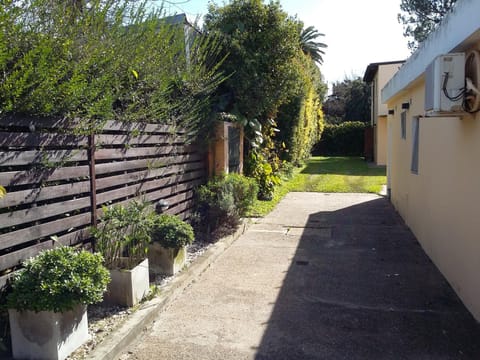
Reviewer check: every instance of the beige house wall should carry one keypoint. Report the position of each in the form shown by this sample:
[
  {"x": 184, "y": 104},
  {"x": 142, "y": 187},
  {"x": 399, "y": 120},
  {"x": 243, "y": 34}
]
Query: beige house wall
[
  {"x": 384, "y": 74},
  {"x": 441, "y": 204},
  {"x": 380, "y": 111},
  {"x": 381, "y": 141}
]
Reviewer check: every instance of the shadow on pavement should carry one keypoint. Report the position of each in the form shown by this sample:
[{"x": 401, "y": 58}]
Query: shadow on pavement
[{"x": 361, "y": 287}]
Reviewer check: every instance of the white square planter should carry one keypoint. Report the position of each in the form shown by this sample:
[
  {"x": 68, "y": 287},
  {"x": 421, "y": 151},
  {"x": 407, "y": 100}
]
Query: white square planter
[
  {"x": 47, "y": 335},
  {"x": 128, "y": 287},
  {"x": 166, "y": 260}
]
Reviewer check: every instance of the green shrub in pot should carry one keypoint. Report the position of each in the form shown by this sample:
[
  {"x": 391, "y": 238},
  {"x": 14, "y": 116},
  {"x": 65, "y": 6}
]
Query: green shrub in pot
[
  {"x": 58, "y": 280},
  {"x": 170, "y": 236},
  {"x": 172, "y": 232},
  {"x": 123, "y": 233}
]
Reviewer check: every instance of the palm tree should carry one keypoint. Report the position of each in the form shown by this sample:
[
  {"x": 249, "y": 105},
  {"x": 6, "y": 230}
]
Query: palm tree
[{"x": 310, "y": 46}]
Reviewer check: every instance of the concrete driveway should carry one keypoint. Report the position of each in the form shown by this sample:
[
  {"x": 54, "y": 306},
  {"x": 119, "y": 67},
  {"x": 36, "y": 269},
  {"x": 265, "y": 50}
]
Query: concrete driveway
[{"x": 324, "y": 276}]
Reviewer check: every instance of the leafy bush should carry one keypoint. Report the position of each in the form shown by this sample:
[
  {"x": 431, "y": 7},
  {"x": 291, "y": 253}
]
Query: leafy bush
[
  {"x": 345, "y": 139},
  {"x": 89, "y": 60},
  {"x": 58, "y": 280},
  {"x": 301, "y": 119},
  {"x": 124, "y": 231},
  {"x": 223, "y": 201},
  {"x": 264, "y": 174},
  {"x": 171, "y": 232}
]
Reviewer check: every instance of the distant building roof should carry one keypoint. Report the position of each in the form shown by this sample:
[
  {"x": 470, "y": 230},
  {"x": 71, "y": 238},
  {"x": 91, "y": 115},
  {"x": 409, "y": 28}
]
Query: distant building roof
[
  {"x": 179, "y": 19},
  {"x": 373, "y": 68}
]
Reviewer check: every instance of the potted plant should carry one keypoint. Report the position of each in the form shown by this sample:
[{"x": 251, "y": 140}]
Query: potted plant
[
  {"x": 48, "y": 301},
  {"x": 122, "y": 237},
  {"x": 169, "y": 240}
]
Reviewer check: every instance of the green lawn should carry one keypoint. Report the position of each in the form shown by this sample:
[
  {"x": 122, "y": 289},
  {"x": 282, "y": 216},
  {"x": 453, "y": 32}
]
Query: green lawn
[{"x": 327, "y": 174}]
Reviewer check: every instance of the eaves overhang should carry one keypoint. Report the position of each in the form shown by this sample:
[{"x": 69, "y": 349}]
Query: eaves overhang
[
  {"x": 458, "y": 31},
  {"x": 373, "y": 68}
]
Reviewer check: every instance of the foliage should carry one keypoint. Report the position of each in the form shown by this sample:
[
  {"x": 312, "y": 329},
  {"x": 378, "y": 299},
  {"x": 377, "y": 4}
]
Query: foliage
[
  {"x": 124, "y": 231},
  {"x": 301, "y": 119},
  {"x": 274, "y": 87},
  {"x": 261, "y": 41},
  {"x": 345, "y": 139},
  {"x": 265, "y": 175},
  {"x": 101, "y": 60},
  {"x": 262, "y": 163},
  {"x": 222, "y": 202},
  {"x": 420, "y": 17},
  {"x": 58, "y": 280},
  {"x": 171, "y": 232},
  {"x": 3, "y": 192},
  {"x": 350, "y": 101},
  {"x": 311, "y": 47}
]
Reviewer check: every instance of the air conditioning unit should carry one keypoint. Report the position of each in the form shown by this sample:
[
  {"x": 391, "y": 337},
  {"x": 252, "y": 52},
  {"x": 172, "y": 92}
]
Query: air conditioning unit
[{"x": 445, "y": 85}]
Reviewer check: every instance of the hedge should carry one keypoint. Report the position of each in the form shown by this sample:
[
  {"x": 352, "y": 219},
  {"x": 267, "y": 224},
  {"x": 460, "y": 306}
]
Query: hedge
[{"x": 345, "y": 139}]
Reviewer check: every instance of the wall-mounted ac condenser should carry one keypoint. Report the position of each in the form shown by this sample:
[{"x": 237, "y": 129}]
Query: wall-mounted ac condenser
[{"x": 445, "y": 84}]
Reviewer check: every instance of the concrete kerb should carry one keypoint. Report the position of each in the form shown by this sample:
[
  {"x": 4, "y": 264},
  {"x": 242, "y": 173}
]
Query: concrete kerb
[{"x": 116, "y": 343}]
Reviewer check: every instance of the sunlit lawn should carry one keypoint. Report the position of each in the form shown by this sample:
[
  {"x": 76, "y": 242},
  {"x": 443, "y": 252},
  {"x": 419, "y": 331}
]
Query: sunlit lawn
[{"x": 328, "y": 174}]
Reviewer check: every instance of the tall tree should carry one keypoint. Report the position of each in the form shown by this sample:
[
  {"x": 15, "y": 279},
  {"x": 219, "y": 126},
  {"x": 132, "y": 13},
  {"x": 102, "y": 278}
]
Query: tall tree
[
  {"x": 260, "y": 41},
  {"x": 420, "y": 17},
  {"x": 310, "y": 45},
  {"x": 349, "y": 101}
]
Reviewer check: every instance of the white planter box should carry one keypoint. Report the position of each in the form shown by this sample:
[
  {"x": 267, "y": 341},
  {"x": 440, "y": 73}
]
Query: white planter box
[
  {"x": 47, "y": 335},
  {"x": 128, "y": 287},
  {"x": 166, "y": 260}
]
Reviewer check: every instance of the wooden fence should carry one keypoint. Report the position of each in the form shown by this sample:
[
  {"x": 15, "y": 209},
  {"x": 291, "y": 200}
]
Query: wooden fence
[{"x": 57, "y": 181}]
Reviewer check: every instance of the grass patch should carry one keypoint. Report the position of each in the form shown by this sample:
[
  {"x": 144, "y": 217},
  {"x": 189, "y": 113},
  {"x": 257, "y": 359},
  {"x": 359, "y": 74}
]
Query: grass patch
[{"x": 327, "y": 174}]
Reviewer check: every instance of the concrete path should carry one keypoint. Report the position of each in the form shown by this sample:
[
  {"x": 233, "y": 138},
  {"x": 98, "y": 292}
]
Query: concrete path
[{"x": 324, "y": 276}]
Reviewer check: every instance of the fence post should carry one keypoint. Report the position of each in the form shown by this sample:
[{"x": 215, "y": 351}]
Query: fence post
[{"x": 93, "y": 182}]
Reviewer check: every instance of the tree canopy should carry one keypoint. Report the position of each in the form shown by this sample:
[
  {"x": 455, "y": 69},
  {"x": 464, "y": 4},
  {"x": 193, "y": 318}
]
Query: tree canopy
[
  {"x": 349, "y": 101},
  {"x": 420, "y": 17},
  {"x": 260, "y": 42},
  {"x": 273, "y": 85},
  {"x": 310, "y": 46}
]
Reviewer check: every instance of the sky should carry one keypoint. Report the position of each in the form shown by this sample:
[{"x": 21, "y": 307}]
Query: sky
[{"x": 357, "y": 32}]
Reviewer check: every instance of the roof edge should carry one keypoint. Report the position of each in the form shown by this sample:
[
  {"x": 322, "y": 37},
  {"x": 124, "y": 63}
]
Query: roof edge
[{"x": 451, "y": 35}]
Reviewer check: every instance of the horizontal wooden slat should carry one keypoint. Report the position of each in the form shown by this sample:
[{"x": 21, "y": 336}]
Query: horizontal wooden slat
[
  {"x": 44, "y": 193},
  {"x": 181, "y": 208},
  {"x": 18, "y": 237},
  {"x": 138, "y": 189},
  {"x": 13, "y": 158},
  {"x": 161, "y": 151},
  {"x": 40, "y": 123},
  {"x": 43, "y": 212},
  {"x": 102, "y": 169},
  {"x": 16, "y": 258},
  {"x": 135, "y": 127},
  {"x": 171, "y": 174},
  {"x": 157, "y": 195},
  {"x": 16, "y": 140},
  {"x": 105, "y": 139},
  {"x": 12, "y": 178}
]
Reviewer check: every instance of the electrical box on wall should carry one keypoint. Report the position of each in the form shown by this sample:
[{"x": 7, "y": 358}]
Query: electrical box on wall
[{"x": 445, "y": 84}]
